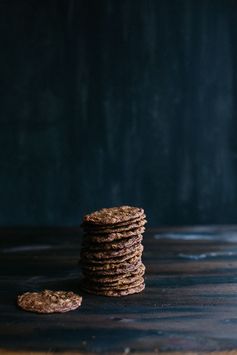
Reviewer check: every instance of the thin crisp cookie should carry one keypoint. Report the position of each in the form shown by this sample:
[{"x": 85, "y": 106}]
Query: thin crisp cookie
[
  {"x": 49, "y": 301},
  {"x": 116, "y": 293},
  {"x": 113, "y": 215},
  {"x": 139, "y": 271},
  {"x": 117, "y": 225},
  {"x": 115, "y": 245},
  {"x": 116, "y": 256},
  {"x": 112, "y": 269},
  {"x": 110, "y": 237},
  {"x": 128, "y": 227},
  {"x": 134, "y": 282}
]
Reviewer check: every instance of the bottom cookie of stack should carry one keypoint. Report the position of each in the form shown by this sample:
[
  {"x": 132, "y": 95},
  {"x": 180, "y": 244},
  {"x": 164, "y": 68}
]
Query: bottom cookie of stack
[{"x": 115, "y": 292}]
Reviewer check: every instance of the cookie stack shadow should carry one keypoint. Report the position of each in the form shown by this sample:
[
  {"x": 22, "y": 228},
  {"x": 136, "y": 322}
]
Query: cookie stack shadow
[{"x": 111, "y": 252}]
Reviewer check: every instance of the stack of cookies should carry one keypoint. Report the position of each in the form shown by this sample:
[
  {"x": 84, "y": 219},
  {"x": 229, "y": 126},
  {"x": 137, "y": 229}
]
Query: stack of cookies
[{"x": 111, "y": 251}]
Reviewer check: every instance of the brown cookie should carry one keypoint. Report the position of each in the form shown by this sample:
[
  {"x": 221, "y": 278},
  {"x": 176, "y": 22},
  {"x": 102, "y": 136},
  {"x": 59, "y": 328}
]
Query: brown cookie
[
  {"x": 114, "y": 286},
  {"x": 115, "y": 293},
  {"x": 114, "y": 256},
  {"x": 104, "y": 238},
  {"x": 113, "y": 215},
  {"x": 127, "y": 283},
  {"x": 110, "y": 279},
  {"x": 112, "y": 261},
  {"x": 49, "y": 301},
  {"x": 124, "y": 228},
  {"x": 112, "y": 269},
  {"x": 110, "y": 265},
  {"x": 109, "y": 246},
  {"x": 88, "y": 226}
]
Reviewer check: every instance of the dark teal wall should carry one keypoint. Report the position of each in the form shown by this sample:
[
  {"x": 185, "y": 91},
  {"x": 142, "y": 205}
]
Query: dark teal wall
[{"x": 106, "y": 103}]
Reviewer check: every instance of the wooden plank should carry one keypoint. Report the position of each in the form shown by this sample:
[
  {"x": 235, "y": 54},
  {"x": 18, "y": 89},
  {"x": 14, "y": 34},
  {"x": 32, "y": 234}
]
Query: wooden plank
[{"x": 189, "y": 304}]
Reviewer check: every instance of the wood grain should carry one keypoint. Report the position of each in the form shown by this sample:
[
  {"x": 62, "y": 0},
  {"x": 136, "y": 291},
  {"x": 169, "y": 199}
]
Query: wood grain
[{"x": 189, "y": 304}]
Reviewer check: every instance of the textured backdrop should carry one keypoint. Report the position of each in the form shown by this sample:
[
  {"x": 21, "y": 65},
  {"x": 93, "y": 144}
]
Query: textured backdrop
[{"x": 118, "y": 102}]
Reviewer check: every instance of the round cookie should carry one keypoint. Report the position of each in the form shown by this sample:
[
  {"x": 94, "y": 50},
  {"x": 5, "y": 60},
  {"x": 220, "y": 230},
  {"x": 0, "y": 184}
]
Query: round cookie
[
  {"x": 133, "y": 281},
  {"x": 127, "y": 227},
  {"x": 115, "y": 256},
  {"x": 112, "y": 269},
  {"x": 121, "y": 286},
  {"x": 49, "y": 301},
  {"x": 116, "y": 278},
  {"x": 117, "y": 225},
  {"x": 113, "y": 215},
  {"x": 115, "y": 245},
  {"x": 104, "y": 238},
  {"x": 115, "y": 293},
  {"x": 112, "y": 266}
]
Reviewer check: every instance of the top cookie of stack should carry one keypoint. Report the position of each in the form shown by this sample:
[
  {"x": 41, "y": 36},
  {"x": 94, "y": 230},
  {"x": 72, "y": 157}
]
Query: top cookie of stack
[{"x": 111, "y": 251}]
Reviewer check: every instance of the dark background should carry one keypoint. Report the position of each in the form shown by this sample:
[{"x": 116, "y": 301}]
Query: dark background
[{"x": 112, "y": 102}]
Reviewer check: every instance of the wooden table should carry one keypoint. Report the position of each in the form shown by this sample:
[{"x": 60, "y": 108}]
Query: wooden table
[{"x": 189, "y": 304}]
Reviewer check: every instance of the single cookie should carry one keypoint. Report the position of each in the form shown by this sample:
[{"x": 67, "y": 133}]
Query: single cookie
[
  {"x": 112, "y": 269},
  {"x": 116, "y": 293},
  {"x": 118, "y": 286},
  {"x": 123, "y": 282},
  {"x": 119, "y": 244},
  {"x": 113, "y": 215},
  {"x": 104, "y": 238},
  {"x": 111, "y": 263},
  {"x": 127, "y": 227},
  {"x": 117, "y": 225},
  {"x": 110, "y": 279},
  {"x": 49, "y": 301},
  {"x": 114, "y": 256}
]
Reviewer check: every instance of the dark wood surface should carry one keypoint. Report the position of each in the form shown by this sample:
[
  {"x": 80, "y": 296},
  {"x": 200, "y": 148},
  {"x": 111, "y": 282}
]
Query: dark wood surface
[{"x": 189, "y": 304}]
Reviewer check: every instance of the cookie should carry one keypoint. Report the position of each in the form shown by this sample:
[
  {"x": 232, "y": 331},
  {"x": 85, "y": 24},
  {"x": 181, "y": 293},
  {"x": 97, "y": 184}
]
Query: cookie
[
  {"x": 124, "y": 282},
  {"x": 111, "y": 251},
  {"x": 110, "y": 279},
  {"x": 110, "y": 237},
  {"x": 88, "y": 226},
  {"x": 114, "y": 263},
  {"x": 115, "y": 245},
  {"x": 114, "y": 286},
  {"x": 124, "y": 228},
  {"x": 113, "y": 215},
  {"x": 100, "y": 256},
  {"x": 115, "y": 293},
  {"x": 49, "y": 301},
  {"x": 112, "y": 269}
]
